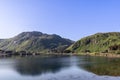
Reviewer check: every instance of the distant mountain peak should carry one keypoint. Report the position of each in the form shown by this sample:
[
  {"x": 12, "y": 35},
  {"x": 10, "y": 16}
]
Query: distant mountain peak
[
  {"x": 35, "y": 42},
  {"x": 33, "y": 33}
]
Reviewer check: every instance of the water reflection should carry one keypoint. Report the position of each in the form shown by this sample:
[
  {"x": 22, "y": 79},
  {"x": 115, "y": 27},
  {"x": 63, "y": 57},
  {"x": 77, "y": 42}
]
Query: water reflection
[
  {"x": 60, "y": 68},
  {"x": 103, "y": 66},
  {"x": 36, "y": 65}
]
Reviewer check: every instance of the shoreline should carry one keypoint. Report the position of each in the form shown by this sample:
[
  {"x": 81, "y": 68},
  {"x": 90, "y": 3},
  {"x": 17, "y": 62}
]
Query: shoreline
[{"x": 109, "y": 55}]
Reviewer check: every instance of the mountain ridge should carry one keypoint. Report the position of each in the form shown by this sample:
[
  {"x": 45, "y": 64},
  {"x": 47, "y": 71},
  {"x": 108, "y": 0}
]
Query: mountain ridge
[
  {"x": 34, "y": 42},
  {"x": 100, "y": 42}
]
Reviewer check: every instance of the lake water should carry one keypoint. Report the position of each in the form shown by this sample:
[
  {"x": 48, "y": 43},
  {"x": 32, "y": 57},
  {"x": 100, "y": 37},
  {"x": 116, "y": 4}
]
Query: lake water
[{"x": 60, "y": 68}]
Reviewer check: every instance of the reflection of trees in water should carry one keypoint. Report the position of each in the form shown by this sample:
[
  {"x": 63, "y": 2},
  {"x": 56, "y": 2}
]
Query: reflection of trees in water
[
  {"x": 37, "y": 66},
  {"x": 103, "y": 66}
]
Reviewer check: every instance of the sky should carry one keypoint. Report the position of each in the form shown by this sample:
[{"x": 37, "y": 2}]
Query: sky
[{"x": 73, "y": 19}]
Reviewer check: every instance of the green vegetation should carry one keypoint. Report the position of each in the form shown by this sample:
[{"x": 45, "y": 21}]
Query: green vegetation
[
  {"x": 98, "y": 43},
  {"x": 108, "y": 66},
  {"x": 35, "y": 42}
]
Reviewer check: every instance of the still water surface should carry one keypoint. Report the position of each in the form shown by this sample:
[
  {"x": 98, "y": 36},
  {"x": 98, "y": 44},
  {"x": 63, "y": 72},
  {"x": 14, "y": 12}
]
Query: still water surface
[{"x": 60, "y": 68}]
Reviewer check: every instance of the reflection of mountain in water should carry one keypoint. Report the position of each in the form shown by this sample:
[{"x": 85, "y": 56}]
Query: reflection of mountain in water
[
  {"x": 103, "y": 66},
  {"x": 36, "y": 66}
]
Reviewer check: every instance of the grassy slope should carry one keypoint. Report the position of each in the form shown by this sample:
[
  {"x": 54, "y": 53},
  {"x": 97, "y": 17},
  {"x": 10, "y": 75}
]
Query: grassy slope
[
  {"x": 34, "y": 42},
  {"x": 99, "y": 42}
]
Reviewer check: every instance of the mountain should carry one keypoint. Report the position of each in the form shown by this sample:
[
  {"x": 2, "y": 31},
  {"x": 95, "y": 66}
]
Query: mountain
[
  {"x": 99, "y": 42},
  {"x": 35, "y": 42}
]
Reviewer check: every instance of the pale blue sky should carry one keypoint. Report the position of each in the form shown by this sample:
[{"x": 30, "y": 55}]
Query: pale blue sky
[{"x": 71, "y": 19}]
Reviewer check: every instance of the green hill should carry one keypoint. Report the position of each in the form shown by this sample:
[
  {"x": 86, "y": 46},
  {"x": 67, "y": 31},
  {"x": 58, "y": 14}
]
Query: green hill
[
  {"x": 100, "y": 42},
  {"x": 35, "y": 42}
]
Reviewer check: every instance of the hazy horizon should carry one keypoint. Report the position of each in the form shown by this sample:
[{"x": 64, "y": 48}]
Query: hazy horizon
[{"x": 72, "y": 19}]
